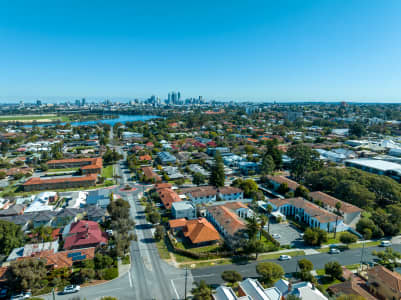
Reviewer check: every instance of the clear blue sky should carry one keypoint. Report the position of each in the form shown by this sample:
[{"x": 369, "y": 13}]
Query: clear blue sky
[{"x": 256, "y": 50}]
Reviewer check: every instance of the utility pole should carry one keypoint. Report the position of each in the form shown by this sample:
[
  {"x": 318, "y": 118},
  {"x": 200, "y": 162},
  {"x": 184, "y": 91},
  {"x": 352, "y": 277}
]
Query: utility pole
[{"x": 186, "y": 276}]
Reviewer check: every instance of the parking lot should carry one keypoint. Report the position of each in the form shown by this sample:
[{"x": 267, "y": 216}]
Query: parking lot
[{"x": 288, "y": 234}]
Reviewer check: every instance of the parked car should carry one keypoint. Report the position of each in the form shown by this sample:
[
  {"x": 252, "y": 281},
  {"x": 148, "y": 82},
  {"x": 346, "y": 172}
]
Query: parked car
[
  {"x": 285, "y": 257},
  {"x": 21, "y": 296},
  {"x": 69, "y": 289},
  {"x": 385, "y": 244},
  {"x": 276, "y": 235},
  {"x": 3, "y": 293},
  {"x": 334, "y": 251}
]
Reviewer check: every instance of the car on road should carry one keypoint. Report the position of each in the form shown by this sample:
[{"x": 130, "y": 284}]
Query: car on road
[
  {"x": 69, "y": 289},
  {"x": 21, "y": 296},
  {"x": 284, "y": 257},
  {"x": 276, "y": 235},
  {"x": 334, "y": 251},
  {"x": 385, "y": 244}
]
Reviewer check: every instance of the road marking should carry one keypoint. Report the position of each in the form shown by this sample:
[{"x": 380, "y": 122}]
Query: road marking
[
  {"x": 129, "y": 277},
  {"x": 175, "y": 290}
]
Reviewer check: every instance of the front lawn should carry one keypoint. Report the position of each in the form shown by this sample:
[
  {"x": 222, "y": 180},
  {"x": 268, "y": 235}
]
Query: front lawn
[{"x": 107, "y": 172}]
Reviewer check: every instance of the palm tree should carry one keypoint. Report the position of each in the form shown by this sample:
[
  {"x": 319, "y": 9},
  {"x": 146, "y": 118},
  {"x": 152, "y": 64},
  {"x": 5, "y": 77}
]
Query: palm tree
[
  {"x": 269, "y": 210},
  {"x": 263, "y": 219},
  {"x": 252, "y": 227}
]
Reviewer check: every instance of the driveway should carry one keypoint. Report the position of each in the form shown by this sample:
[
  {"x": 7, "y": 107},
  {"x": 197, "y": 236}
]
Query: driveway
[{"x": 288, "y": 234}]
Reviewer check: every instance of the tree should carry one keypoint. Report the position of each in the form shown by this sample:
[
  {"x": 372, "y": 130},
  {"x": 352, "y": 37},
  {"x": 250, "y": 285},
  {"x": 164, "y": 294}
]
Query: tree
[
  {"x": 254, "y": 246},
  {"x": 27, "y": 274},
  {"x": 159, "y": 232},
  {"x": 333, "y": 269},
  {"x": 154, "y": 217},
  {"x": 388, "y": 258},
  {"x": 348, "y": 238},
  {"x": 305, "y": 265},
  {"x": 283, "y": 188},
  {"x": 202, "y": 291},
  {"x": 3, "y": 175},
  {"x": 292, "y": 297},
  {"x": 301, "y": 191},
  {"x": 275, "y": 153},
  {"x": 198, "y": 178},
  {"x": 267, "y": 167},
  {"x": 315, "y": 236},
  {"x": 231, "y": 276},
  {"x": 42, "y": 234},
  {"x": 357, "y": 129},
  {"x": 86, "y": 274},
  {"x": 11, "y": 237},
  {"x": 304, "y": 160},
  {"x": 102, "y": 261},
  {"x": 252, "y": 227},
  {"x": 270, "y": 272},
  {"x": 263, "y": 220},
  {"x": 217, "y": 176},
  {"x": 349, "y": 297}
]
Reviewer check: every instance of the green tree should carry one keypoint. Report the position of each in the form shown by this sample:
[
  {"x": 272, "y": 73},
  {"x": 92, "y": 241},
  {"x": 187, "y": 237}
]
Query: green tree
[
  {"x": 305, "y": 265},
  {"x": 217, "y": 176},
  {"x": 159, "y": 232},
  {"x": 102, "y": 261},
  {"x": 11, "y": 237},
  {"x": 304, "y": 160},
  {"x": 202, "y": 291},
  {"x": 293, "y": 297},
  {"x": 333, "y": 269},
  {"x": 263, "y": 220},
  {"x": 198, "y": 179},
  {"x": 275, "y": 153},
  {"x": 27, "y": 274},
  {"x": 388, "y": 258},
  {"x": 267, "y": 167},
  {"x": 283, "y": 188},
  {"x": 154, "y": 217},
  {"x": 270, "y": 272},
  {"x": 231, "y": 276},
  {"x": 315, "y": 236},
  {"x": 301, "y": 191},
  {"x": 357, "y": 129},
  {"x": 348, "y": 238},
  {"x": 252, "y": 227},
  {"x": 254, "y": 246}
]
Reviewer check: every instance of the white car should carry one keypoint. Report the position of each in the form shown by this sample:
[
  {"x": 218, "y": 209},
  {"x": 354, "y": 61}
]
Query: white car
[
  {"x": 334, "y": 251},
  {"x": 21, "y": 296},
  {"x": 285, "y": 257},
  {"x": 276, "y": 235},
  {"x": 385, "y": 244},
  {"x": 69, "y": 289}
]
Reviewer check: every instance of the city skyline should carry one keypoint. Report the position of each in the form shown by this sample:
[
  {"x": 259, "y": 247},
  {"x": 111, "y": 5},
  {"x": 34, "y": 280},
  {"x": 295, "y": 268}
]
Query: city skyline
[{"x": 264, "y": 51}]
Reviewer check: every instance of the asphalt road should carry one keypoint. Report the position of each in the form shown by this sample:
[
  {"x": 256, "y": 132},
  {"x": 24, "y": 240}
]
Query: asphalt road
[{"x": 212, "y": 275}]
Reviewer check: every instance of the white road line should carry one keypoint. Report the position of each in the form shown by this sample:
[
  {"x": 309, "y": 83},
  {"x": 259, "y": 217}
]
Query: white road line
[
  {"x": 129, "y": 277},
  {"x": 175, "y": 290}
]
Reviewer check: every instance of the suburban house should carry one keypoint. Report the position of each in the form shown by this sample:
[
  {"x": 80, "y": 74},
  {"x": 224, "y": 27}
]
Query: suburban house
[
  {"x": 150, "y": 175},
  {"x": 384, "y": 283},
  {"x": 168, "y": 197},
  {"x": 278, "y": 180},
  {"x": 207, "y": 194},
  {"x": 84, "y": 234},
  {"x": 95, "y": 213},
  {"x": 307, "y": 212},
  {"x": 198, "y": 231},
  {"x": 67, "y": 215},
  {"x": 86, "y": 165},
  {"x": 183, "y": 209},
  {"x": 353, "y": 285},
  {"x": 247, "y": 289},
  {"x": 166, "y": 157},
  {"x": 350, "y": 213},
  {"x": 36, "y": 183},
  {"x": 304, "y": 290},
  {"x": 43, "y": 218},
  {"x": 29, "y": 250},
  {"x": 15, "y": 210},
  {"x": 100, "y": 197},
  {"x": 227, "y": 222}
]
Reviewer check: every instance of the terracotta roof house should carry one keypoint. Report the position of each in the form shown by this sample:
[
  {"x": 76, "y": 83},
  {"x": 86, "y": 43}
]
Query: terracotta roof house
[
  {"x": 146, "y": 157},
  {"x": 384, "y": 283},
  {"x": 150, "y": 175},
  {"x": 309, "y": 213},
  {"x": 277, "y": 180},
  {"x": 199, "y": 231},
  {"x": 87, "y": 165},
  {"x": 225, "y": 220},
  {"x": 351, "y": 213},
  {"x": 84, "y": 234},
  {"x": 168, "y": 197},
  {"x": 355, "y": 285},
  {"x": 36, "y": 183},
  {"x": 207, "y": 194}
]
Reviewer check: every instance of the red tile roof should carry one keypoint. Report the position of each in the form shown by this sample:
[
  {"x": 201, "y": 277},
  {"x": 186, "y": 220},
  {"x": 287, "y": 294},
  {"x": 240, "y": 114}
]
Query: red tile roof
[
  {"x": 177, "y": 223},
  {"x": 200, "y": 231},
  {"x": 168, "y": 197},
  {"x": 145, "y": 157},
  {"x": 226, "y": 218},
  {"x": 281, "y": 179},
  {"x": 37, "y": 180},
  {"x": 392, "y": 280},
  {"x": 84, "y": 234},
  {"x": 331, "y": 201}
]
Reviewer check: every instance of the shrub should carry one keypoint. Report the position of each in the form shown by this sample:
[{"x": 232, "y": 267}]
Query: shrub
[
  {"x": 231, "y": 276},
  {"x": 348, "y": 238},
  {"x": 110, "y": 273}
]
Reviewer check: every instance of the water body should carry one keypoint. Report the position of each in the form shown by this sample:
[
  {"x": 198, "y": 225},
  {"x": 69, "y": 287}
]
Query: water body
[{"x": 120, "y": 119}]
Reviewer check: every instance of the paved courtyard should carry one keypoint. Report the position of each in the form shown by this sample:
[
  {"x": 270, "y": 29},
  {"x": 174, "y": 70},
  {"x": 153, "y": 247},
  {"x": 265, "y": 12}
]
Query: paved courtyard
[{"x": 288, "y": 234}]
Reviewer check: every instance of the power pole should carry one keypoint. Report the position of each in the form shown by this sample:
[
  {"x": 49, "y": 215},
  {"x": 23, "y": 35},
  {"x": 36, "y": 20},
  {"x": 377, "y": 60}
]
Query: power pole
[{"x": 186, "y": 276}]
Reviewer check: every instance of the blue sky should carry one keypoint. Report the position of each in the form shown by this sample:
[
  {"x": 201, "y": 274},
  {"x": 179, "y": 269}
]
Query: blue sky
[{"x": 241, "y": 50}]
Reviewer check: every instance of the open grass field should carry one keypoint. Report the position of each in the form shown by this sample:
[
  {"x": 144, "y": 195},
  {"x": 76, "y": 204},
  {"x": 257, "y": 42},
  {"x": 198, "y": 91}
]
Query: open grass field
[
  {"x": 31, "y": 118},
  {"x": 107, "y": 172}
]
